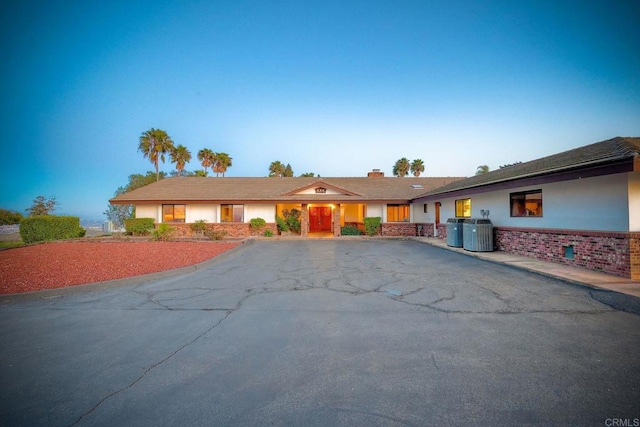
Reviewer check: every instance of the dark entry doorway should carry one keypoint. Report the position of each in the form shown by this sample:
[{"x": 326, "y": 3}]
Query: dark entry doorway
[{"x": 319, "y": 218}]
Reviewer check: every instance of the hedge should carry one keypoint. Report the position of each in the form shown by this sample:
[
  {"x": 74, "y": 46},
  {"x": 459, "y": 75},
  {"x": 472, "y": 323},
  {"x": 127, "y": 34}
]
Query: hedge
[
  {"x": 50, "y": 227},
  {"x": 139, "y": 226}
]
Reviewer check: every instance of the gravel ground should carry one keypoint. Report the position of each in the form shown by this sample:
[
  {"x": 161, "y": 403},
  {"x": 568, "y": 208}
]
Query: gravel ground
[{"x": 69, "y": 263}]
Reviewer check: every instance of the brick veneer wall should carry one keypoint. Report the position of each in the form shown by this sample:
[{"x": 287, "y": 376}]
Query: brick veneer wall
[
  {"x": 337, "y": 231},
  {"x": 609, "y": 252},
  {"x": 233, "y": 229},
  {"x": 612, "y": 253},
  {"x": 406, "y": 229}
]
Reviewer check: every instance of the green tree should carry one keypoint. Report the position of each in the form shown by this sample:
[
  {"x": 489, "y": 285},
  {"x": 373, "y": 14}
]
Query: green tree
[
  {"x": 309, "y": 174},
  {"x": 119, "y": 213},
  {"x": 42, "y": 206},
  {"x": 276, "y": 169},
  {"x": 401, "y": 167},
  {"x": 417, "y": 167},
  {"x": 222, "y": 162},
  {"x": 180, "y": 155},
  {"x": 207, "y": 158},
  {"x": 137, "y": 180},
  {"x": 288, "y": 171},
  {"x": 200, "y": 172},
  {"x": 482, "y": 169},
  {"x": 154, "y": 144},
  {"x": 8, "y": 217}
]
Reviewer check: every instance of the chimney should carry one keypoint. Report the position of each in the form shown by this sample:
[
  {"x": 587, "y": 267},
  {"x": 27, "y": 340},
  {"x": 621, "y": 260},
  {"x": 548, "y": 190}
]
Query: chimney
[{"x": 375, "y": 174}]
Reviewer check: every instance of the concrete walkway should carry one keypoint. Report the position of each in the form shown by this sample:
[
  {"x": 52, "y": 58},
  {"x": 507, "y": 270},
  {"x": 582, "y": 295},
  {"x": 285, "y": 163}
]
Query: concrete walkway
[{"x": 575, "y": 275}]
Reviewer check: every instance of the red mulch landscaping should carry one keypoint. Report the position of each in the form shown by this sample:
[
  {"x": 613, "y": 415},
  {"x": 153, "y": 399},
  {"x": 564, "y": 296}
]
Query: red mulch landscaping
[{"x": 61, "y": 264}]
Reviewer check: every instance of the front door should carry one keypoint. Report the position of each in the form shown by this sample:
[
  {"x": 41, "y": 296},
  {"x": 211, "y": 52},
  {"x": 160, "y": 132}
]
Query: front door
[{"x": 319, "y": 219}]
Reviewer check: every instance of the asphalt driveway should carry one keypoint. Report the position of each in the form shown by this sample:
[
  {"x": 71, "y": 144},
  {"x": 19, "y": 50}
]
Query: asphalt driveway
[{"x": 327, "y": 332}]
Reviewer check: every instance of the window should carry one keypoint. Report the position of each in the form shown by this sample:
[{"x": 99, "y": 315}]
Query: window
[
  {"x": 526, "y": 203},
  {"x": 463, "y": 208},
  {"x": 231, "y": 213},
  {"x": 397, "y": 213},
  {"x": 173, "y": 213}
]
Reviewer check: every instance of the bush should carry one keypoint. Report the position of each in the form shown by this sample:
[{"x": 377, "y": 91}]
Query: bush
[
  {"x": 292, "y": 218},
  {"x": 282, "y": 224},
  {"x": 139, "y": 226},
  {"x": 8, "y": 217},
  {"x": 372, "y": 225},
  {"x": 350, "y": 230},
  {"x": 164, "y": 232},
  {"x": 257, "y": 224},
  {"x": 199, "y": 226},
  {"x": 49, "y": 227},
  {"x": 268, "y": 233},
  {"x": 215, "y": 234}
]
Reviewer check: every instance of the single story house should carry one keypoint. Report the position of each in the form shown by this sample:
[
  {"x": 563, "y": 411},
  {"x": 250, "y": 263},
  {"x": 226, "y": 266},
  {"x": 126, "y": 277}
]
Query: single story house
[
  {"x": 326, "y": 204},
  {"x": 580, "y": 207}
]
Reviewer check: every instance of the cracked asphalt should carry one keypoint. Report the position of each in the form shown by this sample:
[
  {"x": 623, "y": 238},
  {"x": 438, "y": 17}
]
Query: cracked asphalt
[{"x": 325, "y": 332}]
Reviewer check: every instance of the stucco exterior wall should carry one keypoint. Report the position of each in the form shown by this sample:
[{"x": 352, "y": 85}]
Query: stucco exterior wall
[
  {"x": 266, "y": 212},
  {"x": 418, "y": 214},
  {"x": 148, "y": 211},
  {"x": 374, "y": 210},
  {"x": 197, "y": 212},
  {"x": 599, "y": 203},
  {"x": 634, "y": 201}
]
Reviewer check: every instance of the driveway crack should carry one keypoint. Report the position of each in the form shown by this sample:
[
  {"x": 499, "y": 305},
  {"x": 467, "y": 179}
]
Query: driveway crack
[{"x": 150, "y": 368}]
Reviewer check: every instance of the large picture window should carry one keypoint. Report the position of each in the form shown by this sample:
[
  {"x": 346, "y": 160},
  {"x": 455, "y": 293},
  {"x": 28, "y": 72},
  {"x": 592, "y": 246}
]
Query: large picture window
[
  {"x": 463, "y": 208},
  {"x": 232, "y": 213},
  {"x": 174, "y": 213},
  {"x": 526, "y": 203},
  {"x": 397, "y": 213}
]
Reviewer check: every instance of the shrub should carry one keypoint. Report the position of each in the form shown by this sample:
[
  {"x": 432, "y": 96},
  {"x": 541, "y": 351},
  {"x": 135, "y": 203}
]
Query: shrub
[
  {"x": 372, "y": 225},
  {"x": 8, "y": 217},
  {"x": 292, "y": 218},
  {"x": 268, "y": 233},
  {"x": 215, "y": 234},
  {"x": 138, "y": 226},
  {"x": 164, "y": 232},
  {"x": 49, "y": 227},
  {"x": 257, "y": 224},
  {"x": 350, "y": 230},
  {"x": 282, "y": 224},
  {"x": 199, "y": 227}
]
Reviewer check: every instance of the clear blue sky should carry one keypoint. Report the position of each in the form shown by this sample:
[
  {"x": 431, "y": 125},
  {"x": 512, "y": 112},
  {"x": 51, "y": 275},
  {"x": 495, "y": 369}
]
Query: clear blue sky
[{"x": 331, "y": 87}]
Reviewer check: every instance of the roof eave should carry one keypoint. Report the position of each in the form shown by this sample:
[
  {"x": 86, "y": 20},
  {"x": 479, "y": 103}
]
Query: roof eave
[{"x": 547, "y": 172}]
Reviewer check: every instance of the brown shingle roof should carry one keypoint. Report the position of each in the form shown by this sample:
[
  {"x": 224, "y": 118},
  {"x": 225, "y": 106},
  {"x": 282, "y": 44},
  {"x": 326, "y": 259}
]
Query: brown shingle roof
[
  {"x": 589, "y": 155},
  {"x": 360, "y": 189}
]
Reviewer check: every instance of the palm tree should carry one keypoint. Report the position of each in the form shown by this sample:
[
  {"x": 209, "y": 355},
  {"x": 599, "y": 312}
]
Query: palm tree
[
  {"x": 180, "y": 155},
  {"x": 276, "y": 169},
  {"x": 221, "y": 163},
  {"x": 206, "y": 157},
  {"x": 482, "y": 169},
  {"x": 154, "y": 144},
  {"x": 417, "y": 167},
  {"x": 401, "y": 168}
]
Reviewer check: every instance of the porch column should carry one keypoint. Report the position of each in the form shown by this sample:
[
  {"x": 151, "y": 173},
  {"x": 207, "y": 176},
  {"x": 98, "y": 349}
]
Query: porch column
[
  {"x": 336, "y": 221},
  {"x": 304, "y": 221}
]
